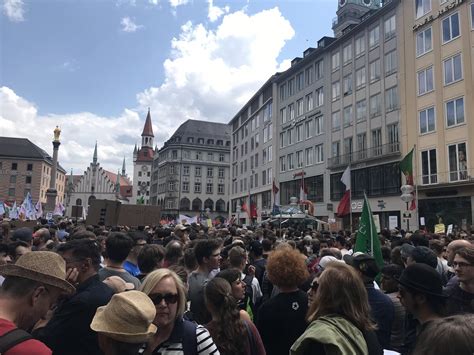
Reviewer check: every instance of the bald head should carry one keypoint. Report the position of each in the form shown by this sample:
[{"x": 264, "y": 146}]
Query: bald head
[{"x": 454, "y": 246}]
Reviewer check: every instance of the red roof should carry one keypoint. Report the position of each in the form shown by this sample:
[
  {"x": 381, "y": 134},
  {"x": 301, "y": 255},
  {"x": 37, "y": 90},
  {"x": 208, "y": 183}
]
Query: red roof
[
  {"x": 148, "y": 129},
  {"x": 145, "y": 154},
  {"x": 125, "y": 184}
]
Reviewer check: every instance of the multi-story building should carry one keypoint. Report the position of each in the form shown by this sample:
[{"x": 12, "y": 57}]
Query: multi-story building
[
  {"x": 25, "y": 167},
  {"x": 438, "y": 79},
  {"x": 338, "y": 106},
  {"x": 253, "y": 150},
  {"x": 142, "y": 165},
  {"x": 191, "y": 171}
]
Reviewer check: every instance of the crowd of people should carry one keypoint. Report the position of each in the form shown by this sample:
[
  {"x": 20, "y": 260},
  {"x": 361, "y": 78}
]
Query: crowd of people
[{"x": 76, "y": 289}]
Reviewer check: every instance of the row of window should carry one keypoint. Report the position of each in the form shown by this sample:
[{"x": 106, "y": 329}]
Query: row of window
[
  {"x": 390, "y": 30},
  {"x": 209, "y": 141},
  {"x": 263, "y": 115},
  {"x": 186, "y": 205},
  {"x": 454, "y": 115},
  {"x": 311, "y": 127},
  {"x": 185, "y": 187},
  {"x": 301, "y": 80},
  {"x": 452, "y": 68},
  {"x": 253, "y": 179},
  {"x": 457, "y": 164},
  {"x": 13, "y": 179},
  {"x": 29, "y": 167},
  {"x": 310, "y": 156}
]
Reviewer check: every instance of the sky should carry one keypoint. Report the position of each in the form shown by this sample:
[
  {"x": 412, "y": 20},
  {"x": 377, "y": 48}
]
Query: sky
[{"x": 94, "y": 67}]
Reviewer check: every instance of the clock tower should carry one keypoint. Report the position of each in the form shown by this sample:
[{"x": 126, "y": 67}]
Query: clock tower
[
  {"x": 142, "y": 163},
  {"x": 350, "y": 12}
]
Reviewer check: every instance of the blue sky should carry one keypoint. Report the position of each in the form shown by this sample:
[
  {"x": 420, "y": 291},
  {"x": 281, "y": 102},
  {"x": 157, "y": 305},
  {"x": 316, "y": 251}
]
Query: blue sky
[{"x": 94, "y": 67}]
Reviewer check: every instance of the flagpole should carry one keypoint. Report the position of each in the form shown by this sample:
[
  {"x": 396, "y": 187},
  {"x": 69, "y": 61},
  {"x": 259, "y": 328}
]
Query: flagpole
[
  {"x": 350, "y": 197},
  {"x": 370, "y": 225},
  {"x": 417, "y": 212}
]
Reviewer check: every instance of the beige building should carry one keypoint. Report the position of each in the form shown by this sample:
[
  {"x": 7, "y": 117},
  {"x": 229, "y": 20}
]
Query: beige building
[
  {"x": 25, "y": 167},
  {"x": 437, "y": 74}
]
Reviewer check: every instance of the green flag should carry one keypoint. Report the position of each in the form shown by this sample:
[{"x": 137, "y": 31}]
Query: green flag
[
  {"x": 141, "y": 200},
  {"x": 406, "y": 166},
  {"x": 367, "y": 240}
]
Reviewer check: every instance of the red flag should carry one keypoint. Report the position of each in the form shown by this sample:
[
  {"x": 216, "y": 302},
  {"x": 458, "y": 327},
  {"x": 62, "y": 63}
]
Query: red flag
[
  {"x": 344, "y": 205},
  {"x": 253, "y": 210},
  {"x": 243, "y": 208}
]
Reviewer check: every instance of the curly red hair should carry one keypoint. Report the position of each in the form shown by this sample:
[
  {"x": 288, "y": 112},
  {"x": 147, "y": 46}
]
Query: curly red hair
[{"x": 286, "y": 268}]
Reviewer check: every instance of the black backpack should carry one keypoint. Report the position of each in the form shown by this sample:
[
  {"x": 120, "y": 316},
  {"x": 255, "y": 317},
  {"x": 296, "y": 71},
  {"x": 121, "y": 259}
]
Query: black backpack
[{"x": 12, "y": 338}]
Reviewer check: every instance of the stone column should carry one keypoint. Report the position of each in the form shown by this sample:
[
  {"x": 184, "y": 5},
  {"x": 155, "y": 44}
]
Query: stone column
[{"x": 52, "y": 193}]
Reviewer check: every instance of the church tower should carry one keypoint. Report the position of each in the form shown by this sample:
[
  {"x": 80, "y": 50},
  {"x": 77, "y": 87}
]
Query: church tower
[
  {"x": 350, "y": 12},
  {"x": 142, "y": 164}
]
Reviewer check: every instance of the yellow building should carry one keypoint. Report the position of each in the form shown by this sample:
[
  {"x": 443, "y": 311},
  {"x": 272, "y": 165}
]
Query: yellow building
[{"x": 437, "y": 105}]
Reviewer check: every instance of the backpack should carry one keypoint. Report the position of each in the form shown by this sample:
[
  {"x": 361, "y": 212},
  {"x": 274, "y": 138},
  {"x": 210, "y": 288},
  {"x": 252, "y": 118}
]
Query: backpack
[{"x": 12, "y": 338}]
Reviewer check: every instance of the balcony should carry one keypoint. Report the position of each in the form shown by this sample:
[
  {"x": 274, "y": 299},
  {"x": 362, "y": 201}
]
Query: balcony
[{"x": 373, "y": 153}]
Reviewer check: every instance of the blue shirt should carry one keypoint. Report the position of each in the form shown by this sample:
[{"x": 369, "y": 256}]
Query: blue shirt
[
  {"x": 382, "y": 312},
  {"x": 131, "y": 268}
]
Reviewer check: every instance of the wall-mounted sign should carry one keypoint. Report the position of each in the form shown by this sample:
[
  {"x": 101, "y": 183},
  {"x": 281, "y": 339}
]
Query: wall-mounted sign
[{"x": 441, "y": 11}]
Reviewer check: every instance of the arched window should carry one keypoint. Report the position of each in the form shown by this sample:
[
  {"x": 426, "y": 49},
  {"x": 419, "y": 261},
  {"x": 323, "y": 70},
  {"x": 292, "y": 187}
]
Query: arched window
[
  {"x": 209, "y": 204},
  {"x": 185, "y": 204},
  {"x": 220, "y": 205},
  {"x": 197, "y": 204},
  {"x": 91, "y": 198},
  {"x": 78, "y": 202}
]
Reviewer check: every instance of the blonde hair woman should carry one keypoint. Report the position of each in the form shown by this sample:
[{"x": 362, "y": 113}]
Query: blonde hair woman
[{"x": 175, "y": 335}]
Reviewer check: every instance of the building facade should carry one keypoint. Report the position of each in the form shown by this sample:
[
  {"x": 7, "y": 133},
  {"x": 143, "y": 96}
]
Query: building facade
[
  {"x": 25, "y": 167},
  {"x": 142, "y": 165},
  {"x": 439, "y": 99},
  {"x": 190, "y": 172},
  {"x": 252, "y": 158},
  {"x": 96, "y": 183}
]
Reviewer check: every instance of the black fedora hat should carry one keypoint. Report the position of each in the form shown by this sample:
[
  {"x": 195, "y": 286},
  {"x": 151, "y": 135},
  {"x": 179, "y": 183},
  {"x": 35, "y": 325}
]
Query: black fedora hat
[{"x": 422, "y": 278}]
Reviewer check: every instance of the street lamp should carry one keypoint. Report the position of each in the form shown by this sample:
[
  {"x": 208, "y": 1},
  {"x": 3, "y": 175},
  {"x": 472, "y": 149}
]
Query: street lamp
[
  {"x": 407, "y": 197},
  {"x": 238, "y": 209}
]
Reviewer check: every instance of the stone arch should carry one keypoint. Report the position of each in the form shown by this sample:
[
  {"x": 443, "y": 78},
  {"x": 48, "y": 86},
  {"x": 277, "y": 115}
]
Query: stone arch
[
  {"x": 185, "y": 204},
  {"x": 220, "y": 205},
  {"x": 197, "y": 204},
  {"x": 79, "y": 202},
  {"x": 209, "y": 204},
  {"x": 91, "y": 198}
]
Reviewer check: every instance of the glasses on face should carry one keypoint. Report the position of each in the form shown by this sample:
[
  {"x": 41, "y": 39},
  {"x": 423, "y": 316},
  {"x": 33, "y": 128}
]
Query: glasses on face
[
  {"x": 314, "y": 286},
  {"x": 460, "y": 264},
  {"x": 170, "y": 298}
]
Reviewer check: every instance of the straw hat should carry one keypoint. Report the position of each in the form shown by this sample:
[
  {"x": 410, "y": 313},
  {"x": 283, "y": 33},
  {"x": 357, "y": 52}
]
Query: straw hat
[
  {"x": 127, "y": 317},
  {"x": 118, "y": 284},
  {"x": 42, "y": 266}
]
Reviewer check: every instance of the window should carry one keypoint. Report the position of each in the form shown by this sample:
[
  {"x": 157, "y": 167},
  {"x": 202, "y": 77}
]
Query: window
[
  {"x": 390, "y": 62},
  {"x": 299, "y": 159},
  {"x": 347, "y": 53},
  {"x": 424, "y": 42},
  {"x": 374, "y": 70},
  {"x": 319, "y": 153},
  {"x": 348, "y": 146},
  {"x": 190, "y": 140},
  {"x": 210, "y": 157},
  {"x": 291, "y": 111},
  {"x": 347, "y": 116},
  {"x": 291, "y": 161},
  {"x": 393, "y": 139},
  {"x": 425, "y": 81},
  {"x": 309, "y": 75},
  {"x": 390, "y": 27},
  {"x": 360, "y": 78},
  {"x": 185, "y": 186},
  {"x": 391, "y": 99},
  {"x": 220, "y": 189},
  {"x": 375, "y": 105},
  {"x": 139, "y": 174},
  {"x": 221, "y": 173},
  {"x": 282, "y": 164},
  {"x": 472, "y": 15},
  {"x": 362, "y": 145},
  {"x": 299, "y": 107},
  {"x": 361, "y": 110},
  {"x": 299, "y": 81},
  {"x": 319, "y": 97},
  {"x": 197, "y": 187},
  {"x": 28, "y": 179},
  {"x": 319, "y": 68},
  {"x": 29, "y": 167},
  {"x": 221, "y": 157},
  {"x": 14, "y": 166},
  {"x": 209, "y": 188},
  {"x": 335, "y": 61},
  {"x": 377, "y": 141},
  {"x": 198, "y": 155},
  {"x": 335, "y": 149},
  {"x": 290, "y": 135},
  {"x": 197, "y": 171},
  {"x": 283, "y": 115},
  {"x": 282, "y": 91},
  {"x": 12, "y": 179},
  {"x": 336, "y": 121},
  {"x": 282, "y": 139},
  {"x": 422, "y": 7},
  {"x": 359, "y": 46},
  {"x": 11, "y": 192},
  {"x": 309, "y": 128},
  {"x": 347, "y": 84},
  {"x": 428, "y": 167},
  {"x": 452, "y": 69},
  {"x": 427, "y": 120},
  {"x": 457, "y": 156},
  {"x": 309, "y": 102},
  {"x": 374, "y": 37},
  {"x": 291, "y": 87},
  {"x": 309, "y": 153},
  {"x": 455, "y": 112},
  {"x": 200, "y": 140},
  {"x": 318, "y": 125},
  {"x": 336, "y": 90},
  {"x": 299, "y": 133},
  {"x": 450, "y": 27}
]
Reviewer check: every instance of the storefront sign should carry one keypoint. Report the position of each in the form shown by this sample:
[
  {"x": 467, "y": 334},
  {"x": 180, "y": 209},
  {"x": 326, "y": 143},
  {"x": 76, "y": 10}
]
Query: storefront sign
[{"x": 441, "y": 11}]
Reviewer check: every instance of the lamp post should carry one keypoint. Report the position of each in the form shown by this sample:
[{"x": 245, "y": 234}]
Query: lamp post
[
  {"x": 238, "y": 209},
  {"x": 407, "y": 197}
]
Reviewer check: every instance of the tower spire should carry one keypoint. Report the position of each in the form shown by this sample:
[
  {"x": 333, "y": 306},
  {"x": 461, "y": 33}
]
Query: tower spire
[
  {"x": 94, "y": 159},
  {"x": 123, "y": 167}
]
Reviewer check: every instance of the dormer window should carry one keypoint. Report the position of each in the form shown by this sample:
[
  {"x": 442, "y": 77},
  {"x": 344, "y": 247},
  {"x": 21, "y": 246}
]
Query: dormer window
[
  {"x": 210, "y": 141},
  {"x": 220, "y": 142},
  {"x": 190, "y": 139},
  {"x": 200, "y": 140}
]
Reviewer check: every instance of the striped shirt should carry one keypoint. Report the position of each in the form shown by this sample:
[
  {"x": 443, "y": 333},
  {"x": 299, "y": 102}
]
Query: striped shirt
[{"x": 205, "y": 345}]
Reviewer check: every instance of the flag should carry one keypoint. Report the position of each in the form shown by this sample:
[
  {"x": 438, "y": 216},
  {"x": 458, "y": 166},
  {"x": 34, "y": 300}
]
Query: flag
[
  {"x": 2, "y": 208},
  {"x": 367, "y": 240},
  {"x": 13, "y": 213},
  {"x": 39, "y": 209},
  {"x": 253, "y": 210},
  {"x": 303, "y": 190},
  {"x": 141, "y": 200},
  {"x": 276, "y": 194},
  {"x": 344, "y": 206},
  {"x": 406, "y": 167},
  {"x": 27, "y": 207}
]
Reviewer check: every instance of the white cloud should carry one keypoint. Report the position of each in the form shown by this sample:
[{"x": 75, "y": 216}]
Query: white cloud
[
  {"x": 176, "y": 3},
  {"x": 214, "y": 12},
  {"x": 128, "y": 25},
  {"x": 116, "y": 136},
  {"x": 14, "y": 9}
]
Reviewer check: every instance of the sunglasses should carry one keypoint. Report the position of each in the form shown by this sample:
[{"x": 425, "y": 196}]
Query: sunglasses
[
  {"x": 314, "y": 286},
  {"x": 170, "y": 298}
]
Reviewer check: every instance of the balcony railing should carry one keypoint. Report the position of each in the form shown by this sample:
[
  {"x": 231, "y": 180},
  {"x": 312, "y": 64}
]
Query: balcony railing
[
  {"x": 444, "y": 178},
  {"x": 381, "y": 151}
]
